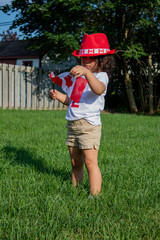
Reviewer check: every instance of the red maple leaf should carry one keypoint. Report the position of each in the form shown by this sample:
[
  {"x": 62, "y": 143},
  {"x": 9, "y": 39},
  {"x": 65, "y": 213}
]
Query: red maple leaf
[{"x": 68, "y": 81}]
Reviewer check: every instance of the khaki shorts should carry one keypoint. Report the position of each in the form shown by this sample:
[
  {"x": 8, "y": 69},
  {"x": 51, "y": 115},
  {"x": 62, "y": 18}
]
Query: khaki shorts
[{"x": 83, "y": 135}]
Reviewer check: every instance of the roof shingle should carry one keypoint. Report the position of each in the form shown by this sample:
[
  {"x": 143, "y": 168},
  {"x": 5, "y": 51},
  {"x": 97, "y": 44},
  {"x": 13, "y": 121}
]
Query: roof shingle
[{"x": 16, "y": 48}]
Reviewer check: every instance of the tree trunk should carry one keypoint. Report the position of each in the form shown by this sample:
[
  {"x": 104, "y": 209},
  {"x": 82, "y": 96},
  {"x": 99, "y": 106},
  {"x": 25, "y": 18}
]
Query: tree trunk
[
  {"x": 129, "y": 89},
  {"x": 143, "y": 100},
  {"x": 150, "y": 77},
  {"x": 150, "y": 81},
  {"x": 141, "y": 89},
  {"x": 128, "y": 82},
  {"x": 158, "y": 106}
]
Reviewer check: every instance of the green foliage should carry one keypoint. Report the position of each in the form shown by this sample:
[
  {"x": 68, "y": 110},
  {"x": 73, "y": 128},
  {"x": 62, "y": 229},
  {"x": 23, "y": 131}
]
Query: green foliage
[
  {"x": 37, "y": 200},
  {"x": 135, "y": 51},
  {"x": 57, "y": 23},
  {"x": 62, "y": 23}
]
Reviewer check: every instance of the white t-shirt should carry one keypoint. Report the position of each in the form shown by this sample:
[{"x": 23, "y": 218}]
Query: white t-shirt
[{"x": 84, "y": 102}]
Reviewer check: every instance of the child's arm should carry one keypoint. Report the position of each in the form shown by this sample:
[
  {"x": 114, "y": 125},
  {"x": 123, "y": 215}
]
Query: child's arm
[
  {"x": 96, "y": 86},
  {"x": 63, "y": 98}
]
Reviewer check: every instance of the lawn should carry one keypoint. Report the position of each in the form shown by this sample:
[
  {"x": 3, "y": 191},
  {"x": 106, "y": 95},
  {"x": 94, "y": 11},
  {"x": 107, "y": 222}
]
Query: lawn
[{"x": 37, "y": 200}]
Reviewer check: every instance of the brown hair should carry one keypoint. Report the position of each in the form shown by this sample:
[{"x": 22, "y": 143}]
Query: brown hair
[{"x": 105, "y": 63}]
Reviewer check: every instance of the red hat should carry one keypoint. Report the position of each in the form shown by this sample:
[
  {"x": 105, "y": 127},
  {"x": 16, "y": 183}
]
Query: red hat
[{"x": 94, "y": 45}]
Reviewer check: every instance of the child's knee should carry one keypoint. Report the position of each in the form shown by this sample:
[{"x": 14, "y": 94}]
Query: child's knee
[
  {"x": 91, "y": 165},
  {"x": 77, "y": 162}
]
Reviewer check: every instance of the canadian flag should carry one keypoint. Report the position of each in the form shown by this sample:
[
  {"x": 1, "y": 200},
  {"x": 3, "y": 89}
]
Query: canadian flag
[{"x": 74, "y": 87}]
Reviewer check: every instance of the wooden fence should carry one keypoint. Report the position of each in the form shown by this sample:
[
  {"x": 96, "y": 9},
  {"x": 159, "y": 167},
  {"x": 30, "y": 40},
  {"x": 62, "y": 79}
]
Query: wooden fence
[{"x": 26, "y": 88}]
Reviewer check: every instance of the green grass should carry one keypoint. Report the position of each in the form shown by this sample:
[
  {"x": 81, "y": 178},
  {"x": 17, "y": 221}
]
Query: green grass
[{"x": 37, "y": 200}]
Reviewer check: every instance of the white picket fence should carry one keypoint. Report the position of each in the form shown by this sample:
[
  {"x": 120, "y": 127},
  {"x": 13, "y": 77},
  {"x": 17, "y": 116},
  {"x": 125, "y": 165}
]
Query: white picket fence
[{"x": 26, "y": 88}]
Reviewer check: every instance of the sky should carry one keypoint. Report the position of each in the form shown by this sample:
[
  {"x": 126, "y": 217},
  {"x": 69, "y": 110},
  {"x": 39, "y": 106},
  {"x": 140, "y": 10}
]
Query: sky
[{"x": 5, "y": 20}]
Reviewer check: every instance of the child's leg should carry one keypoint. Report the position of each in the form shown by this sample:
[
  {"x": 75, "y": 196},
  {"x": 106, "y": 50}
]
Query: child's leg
[
  {"x": 95, "y": 178},
  {"x": 77, "y": 161}
]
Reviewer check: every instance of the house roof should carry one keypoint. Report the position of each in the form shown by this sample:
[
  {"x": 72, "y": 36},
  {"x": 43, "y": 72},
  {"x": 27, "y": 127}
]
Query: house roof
[{"x": 16, "y": 48}]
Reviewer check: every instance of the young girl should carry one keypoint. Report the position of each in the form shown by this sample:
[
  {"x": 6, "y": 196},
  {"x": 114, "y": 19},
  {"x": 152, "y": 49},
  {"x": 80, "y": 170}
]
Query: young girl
[{"x": 86, "y": 86}]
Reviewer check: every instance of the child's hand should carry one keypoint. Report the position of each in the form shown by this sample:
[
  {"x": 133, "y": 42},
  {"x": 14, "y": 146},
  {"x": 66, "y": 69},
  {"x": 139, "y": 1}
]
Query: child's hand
[
  {"x": 53, "y": 94},
  {"x": 78, "y": 71}
]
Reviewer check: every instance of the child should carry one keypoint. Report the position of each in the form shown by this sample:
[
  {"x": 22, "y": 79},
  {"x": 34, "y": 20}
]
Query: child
[{"x": 86, "y": 86}]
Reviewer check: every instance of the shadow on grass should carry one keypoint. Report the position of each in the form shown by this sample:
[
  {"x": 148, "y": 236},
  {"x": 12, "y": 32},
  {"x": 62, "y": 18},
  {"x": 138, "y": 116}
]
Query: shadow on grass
[{"x": 23, "y": 157}]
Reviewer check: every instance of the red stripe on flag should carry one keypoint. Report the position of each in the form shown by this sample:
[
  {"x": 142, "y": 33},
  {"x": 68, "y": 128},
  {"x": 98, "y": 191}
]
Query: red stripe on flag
[
  {"x": 78, "y": 89},
  {"x": 56, "y": 80}
]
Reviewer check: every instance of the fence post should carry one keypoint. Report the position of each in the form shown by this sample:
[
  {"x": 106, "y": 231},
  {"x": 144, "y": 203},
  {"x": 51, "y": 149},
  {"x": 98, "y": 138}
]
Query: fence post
[
  {"x": 17, "y": 87},
  {"x": 34, "y": 88},
  {"x": 45, "y": 87},
  {"x": 11, "y": 88},
  {"x": 40, "y": 90},
  {"x": 5, "y": 86},
  {"x": 22, "y": 86},
  {"x": 28, "y": 85}
]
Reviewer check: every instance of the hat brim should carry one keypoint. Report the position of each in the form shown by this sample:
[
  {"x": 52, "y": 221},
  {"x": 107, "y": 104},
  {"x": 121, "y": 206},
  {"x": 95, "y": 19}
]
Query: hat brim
[{"x": 76, "y": 53}]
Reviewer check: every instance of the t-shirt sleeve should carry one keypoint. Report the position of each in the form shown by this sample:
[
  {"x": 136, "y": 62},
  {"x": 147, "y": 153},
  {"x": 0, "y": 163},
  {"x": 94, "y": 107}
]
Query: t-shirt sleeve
[{"x": 103, "y": 77}]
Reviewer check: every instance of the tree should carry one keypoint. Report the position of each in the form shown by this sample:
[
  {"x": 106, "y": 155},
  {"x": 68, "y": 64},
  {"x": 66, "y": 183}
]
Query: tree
[
  {"x": 8, "y": 36},
  {"x": 137, "y": 40},
  {"x": 148, "y": 33},
  {"x": 132, "y": 28},
  {"x": 59, "y": 23}
]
